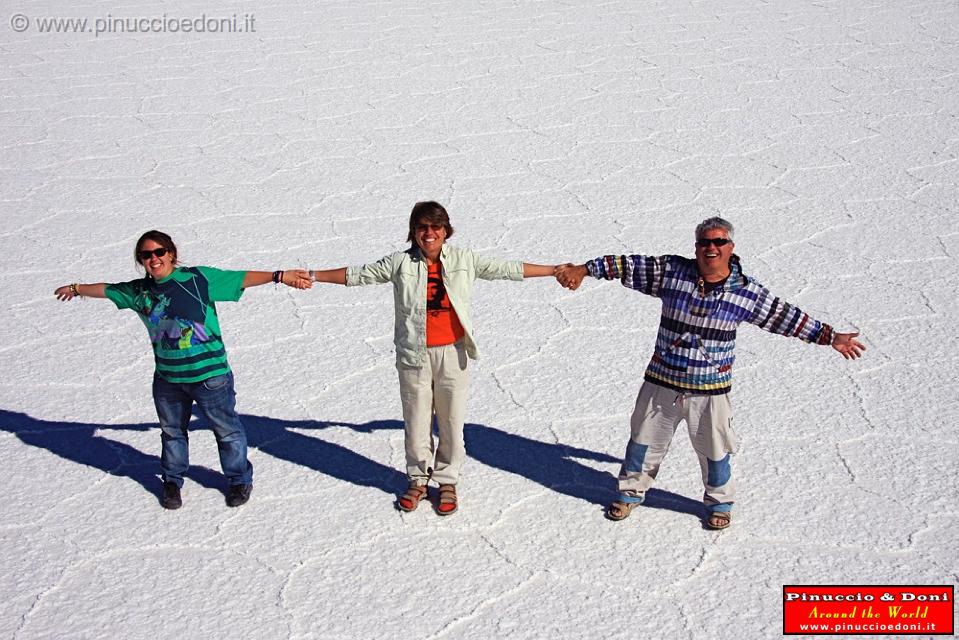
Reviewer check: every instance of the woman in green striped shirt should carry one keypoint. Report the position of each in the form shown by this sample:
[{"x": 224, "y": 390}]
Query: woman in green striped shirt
[{"x": 177, "y": 305}]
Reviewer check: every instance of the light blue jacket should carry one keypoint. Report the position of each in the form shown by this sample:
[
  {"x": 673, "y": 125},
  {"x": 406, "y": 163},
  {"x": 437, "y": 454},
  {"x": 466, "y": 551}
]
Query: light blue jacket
[{"x": 407, "y": 270}]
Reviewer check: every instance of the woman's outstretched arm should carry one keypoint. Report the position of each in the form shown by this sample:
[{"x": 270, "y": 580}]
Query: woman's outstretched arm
[
  {"x": 332, "y": 276},
  {"x": 296, "y": 278},
  {"x": 537, "y": 270},
  {"x": 71, "y": 291}
]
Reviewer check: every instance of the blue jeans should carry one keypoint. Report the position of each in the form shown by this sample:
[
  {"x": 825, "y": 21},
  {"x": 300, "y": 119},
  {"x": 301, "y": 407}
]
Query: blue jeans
[{"x": 217, "y": 400}]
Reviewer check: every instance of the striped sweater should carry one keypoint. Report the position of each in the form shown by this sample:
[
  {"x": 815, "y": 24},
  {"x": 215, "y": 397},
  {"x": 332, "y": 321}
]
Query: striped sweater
[{"x": 695, "y": 347}]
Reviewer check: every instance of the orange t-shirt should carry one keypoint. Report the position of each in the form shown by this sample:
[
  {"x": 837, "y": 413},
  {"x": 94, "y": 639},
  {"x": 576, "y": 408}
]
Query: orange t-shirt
[{"x": 442, "y": 324}]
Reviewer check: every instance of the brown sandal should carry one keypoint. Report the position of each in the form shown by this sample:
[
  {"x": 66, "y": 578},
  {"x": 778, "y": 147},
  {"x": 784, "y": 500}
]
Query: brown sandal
[
  {"x": 719, "y": 519},
  {"x": 411, "y": 499},
  {"x": 619, "y": 510},
  {"x": 448, "y": 502}
]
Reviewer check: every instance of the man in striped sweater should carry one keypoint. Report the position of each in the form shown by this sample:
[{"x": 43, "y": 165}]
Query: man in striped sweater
[{"x": 690, "y": 373}]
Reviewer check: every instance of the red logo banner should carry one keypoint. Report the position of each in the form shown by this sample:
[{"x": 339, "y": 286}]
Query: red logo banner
[{"x": 868, "y": 609}]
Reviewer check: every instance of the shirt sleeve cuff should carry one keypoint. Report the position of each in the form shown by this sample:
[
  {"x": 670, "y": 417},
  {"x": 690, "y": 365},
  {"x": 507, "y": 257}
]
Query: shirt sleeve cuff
[{"x": 353, "y": 276}]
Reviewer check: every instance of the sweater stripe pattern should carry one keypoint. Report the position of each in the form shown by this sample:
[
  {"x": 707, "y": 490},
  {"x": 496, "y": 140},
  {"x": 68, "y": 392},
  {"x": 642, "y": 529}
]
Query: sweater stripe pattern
[{"x": 696, "y": 344}]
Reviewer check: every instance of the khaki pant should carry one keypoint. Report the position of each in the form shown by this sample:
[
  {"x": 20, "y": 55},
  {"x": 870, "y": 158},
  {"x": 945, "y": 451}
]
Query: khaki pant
[
  {"x": 439, "y": 387},
  {"x": 657, "y": 414}
]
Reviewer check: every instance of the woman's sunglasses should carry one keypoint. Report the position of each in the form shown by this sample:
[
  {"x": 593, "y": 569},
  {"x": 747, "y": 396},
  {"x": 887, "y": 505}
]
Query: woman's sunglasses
[
  {"x": 719, "y": 242},
  {"x": 146, "y": 254}
]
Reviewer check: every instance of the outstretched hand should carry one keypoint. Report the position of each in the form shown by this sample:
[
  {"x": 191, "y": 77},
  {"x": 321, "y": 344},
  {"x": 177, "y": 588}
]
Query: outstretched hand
[
  {"x": 64, "y": 293},
  {"x": 570, "y": 275},
  {"x": 297, "y": 278},
  {"x": 847, "y": 345}
]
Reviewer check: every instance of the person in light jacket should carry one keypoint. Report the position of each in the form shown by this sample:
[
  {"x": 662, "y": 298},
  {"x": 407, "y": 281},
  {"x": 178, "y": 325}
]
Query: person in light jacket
[{"x": 434, "y": 340}]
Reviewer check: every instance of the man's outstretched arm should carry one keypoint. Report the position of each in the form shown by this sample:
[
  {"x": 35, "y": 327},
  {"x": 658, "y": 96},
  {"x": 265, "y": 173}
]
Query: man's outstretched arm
[
  {"x": 847, "y": 345},
  {"x": 642, "y": 273},
  {"x": 775, "y": 315}
]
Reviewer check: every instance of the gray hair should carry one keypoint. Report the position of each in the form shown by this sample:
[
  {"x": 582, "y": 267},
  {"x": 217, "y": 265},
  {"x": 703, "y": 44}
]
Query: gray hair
[{"x": 714, "y": 223}]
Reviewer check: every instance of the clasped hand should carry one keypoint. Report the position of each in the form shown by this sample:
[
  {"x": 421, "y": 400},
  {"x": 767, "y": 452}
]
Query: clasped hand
[
  {"x": 298, "y": 279},
  {"x": 570, "y": 275}
]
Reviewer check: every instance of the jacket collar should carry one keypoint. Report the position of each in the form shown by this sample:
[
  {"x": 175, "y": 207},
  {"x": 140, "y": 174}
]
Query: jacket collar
[
  {"x": 416, "y": 253},
  {"x": 736, "y": 279}
]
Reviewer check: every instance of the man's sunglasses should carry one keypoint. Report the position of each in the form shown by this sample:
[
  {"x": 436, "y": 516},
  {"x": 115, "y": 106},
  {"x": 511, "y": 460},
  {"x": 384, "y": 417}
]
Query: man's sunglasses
[
  {"x": 146, "y": 254},
  {"x": 718, "y": 242}
]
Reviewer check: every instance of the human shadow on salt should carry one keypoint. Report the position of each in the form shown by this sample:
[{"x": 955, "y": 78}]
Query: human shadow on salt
[
  {"x": 281, "y": 439},
  {"x": 555, "y": 466},
  {"x": 551, "y": 465},
  {"x": 84, "y": 443}
]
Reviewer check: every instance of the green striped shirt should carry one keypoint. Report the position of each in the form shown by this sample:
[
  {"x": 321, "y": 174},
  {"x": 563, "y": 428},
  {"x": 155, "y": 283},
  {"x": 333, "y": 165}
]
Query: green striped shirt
[{"x": 180, "y": 316}]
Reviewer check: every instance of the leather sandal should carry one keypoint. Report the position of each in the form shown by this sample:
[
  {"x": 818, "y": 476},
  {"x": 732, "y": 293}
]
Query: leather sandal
[
  {"x": 719, "y": 519},
  {"x": 411, "y": 499},
  {"x": 619, "y": 510},
  {"x": 448, "y": 502}
]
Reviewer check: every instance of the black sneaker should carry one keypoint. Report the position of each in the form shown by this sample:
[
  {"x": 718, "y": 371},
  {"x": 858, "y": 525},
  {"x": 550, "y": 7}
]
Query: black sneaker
[
  {"x": 171, "y": 496},
  {"x": 239, "y": 494}
]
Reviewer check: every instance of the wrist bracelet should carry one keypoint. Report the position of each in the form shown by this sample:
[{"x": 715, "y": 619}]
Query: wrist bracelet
[
  {"x": 277, "y": 277},
  {"x": 74, "y": 290}
]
